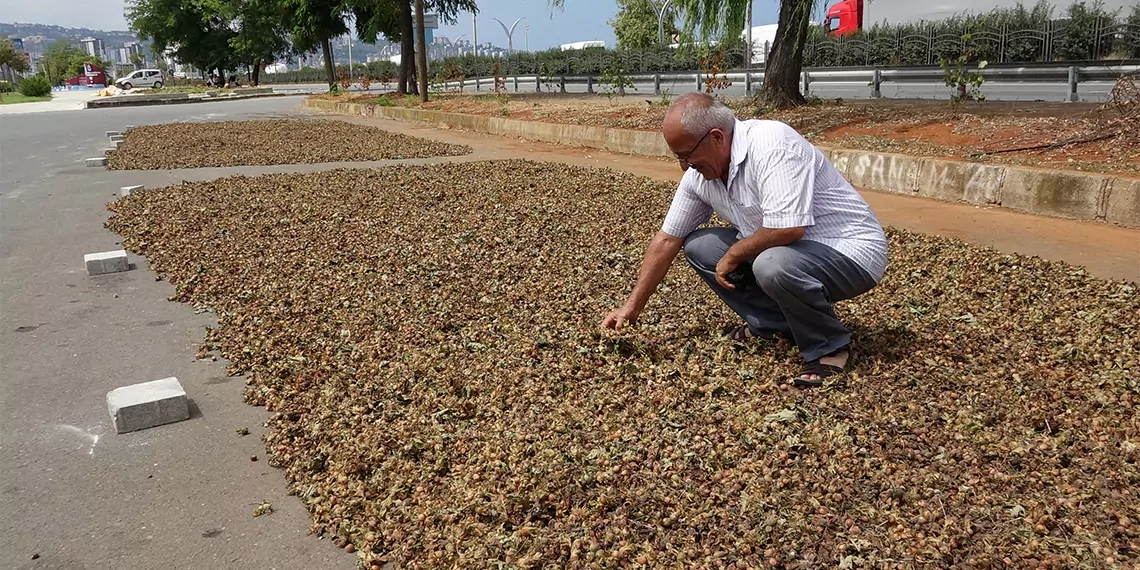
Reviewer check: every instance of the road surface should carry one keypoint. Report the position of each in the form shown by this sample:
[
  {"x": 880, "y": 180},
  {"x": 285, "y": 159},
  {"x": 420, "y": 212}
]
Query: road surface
[{"x": 72, "y": 491}]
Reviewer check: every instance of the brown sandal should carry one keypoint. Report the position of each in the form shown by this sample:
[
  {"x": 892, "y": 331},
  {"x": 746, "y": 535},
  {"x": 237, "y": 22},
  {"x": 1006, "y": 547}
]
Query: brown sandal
[{"x": 824, "y": 371}]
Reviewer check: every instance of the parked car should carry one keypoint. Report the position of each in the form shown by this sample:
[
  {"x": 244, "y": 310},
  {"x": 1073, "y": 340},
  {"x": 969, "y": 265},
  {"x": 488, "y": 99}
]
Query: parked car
[{"x": 141, "y": 78}]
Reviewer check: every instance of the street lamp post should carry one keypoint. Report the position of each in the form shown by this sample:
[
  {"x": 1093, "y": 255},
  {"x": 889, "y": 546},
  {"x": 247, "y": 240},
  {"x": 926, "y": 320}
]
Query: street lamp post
[
  {"x": 510, "y": 32},
  {"x": 474, "y": 37},
  {"x": 661, "y": 19},
  {"x": 526, "y": 37}
]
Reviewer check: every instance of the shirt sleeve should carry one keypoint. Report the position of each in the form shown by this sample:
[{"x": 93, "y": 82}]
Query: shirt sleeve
[
  {"x": 687, "y": 212},
  {"x": 786, "y": 180}
]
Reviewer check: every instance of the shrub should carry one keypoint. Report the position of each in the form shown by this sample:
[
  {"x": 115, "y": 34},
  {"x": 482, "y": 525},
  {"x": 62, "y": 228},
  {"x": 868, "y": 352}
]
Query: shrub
[
  {"x": 35, "y": 86},
  {"x": 5, "y": 87}
]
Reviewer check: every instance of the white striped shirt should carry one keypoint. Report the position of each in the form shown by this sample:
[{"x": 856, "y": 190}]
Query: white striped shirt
[{"x": 777, "y": 179}]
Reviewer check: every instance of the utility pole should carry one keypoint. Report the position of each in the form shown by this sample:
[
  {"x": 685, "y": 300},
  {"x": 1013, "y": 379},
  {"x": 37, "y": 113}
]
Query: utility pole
[
  {"x": 526, "y": 37},
  {"x": 421, "y": 51},
  {"x": 350, "y": 58}
]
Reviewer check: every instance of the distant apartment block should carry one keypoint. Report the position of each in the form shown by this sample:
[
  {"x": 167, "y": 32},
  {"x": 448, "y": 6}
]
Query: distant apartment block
[{"x": 93, "y": 46}]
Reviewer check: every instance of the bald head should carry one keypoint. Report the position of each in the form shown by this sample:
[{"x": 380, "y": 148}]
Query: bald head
[{"x": 694, "y": 114}]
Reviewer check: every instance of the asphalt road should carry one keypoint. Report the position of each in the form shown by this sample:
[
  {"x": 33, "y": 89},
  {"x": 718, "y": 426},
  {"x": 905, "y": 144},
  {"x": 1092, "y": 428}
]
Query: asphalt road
[{"x": 72, "y": 491}]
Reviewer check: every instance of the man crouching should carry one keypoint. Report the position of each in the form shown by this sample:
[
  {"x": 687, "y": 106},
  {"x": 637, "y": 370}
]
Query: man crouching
[{"x": 808, "y": 237}]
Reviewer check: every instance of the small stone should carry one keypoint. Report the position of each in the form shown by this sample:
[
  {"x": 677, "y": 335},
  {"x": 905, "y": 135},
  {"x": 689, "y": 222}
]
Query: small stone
[
  {"x": 253, "y": 458},
  {"x": 99, "y": 161},
  {"x": 147, "y": 405},
  {"x": 106, "y": 262},
  {"x": 128, "y": 190}
]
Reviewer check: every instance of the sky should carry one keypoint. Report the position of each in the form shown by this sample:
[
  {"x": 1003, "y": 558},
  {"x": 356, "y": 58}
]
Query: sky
[{"x": 549, "y": 27}]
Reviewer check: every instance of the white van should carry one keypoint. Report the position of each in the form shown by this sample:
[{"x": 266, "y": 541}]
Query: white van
[{"x": 141, "y": 78}]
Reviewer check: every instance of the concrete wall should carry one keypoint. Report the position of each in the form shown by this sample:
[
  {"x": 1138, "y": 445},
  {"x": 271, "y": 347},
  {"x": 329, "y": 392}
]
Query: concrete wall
[{"x": 1058, "y": 193}]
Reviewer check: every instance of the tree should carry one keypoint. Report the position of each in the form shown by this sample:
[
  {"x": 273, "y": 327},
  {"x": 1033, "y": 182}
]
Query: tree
[
  {"x": 261, "y": 34},
  {"x": 724, "y": 20},
  {"x": 394, "y": 19},
  {"x": 15, "y": 60},
  {"x": 313, "y": 25},
  {"x": 635, "y": 24},
  {"x": 195, "y": 32},
  {"x": 782, "y": 67}
]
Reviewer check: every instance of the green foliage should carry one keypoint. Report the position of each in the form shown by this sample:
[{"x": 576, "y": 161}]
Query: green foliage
[
  {"x": 1130, "y": 44},
  {"x": 590, "y": 61},
  {"x": 12, "y": 58},
  {"x": 964, "y": 74},
  {"x": 1088, "y": 34},
  {"x": 5, "y": 87},
  {"x": 615, "y": 81},
  {"x": 35, "y": 86},
  {"x": 635, "y": 24},
  {"x": 966, "y": 82},
  {"x": 1017, "y": 34},
  {"x": 197, "y": 32}
]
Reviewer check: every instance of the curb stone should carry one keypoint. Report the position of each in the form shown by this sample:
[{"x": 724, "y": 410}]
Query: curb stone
[{"x": 1047, "y": 192}]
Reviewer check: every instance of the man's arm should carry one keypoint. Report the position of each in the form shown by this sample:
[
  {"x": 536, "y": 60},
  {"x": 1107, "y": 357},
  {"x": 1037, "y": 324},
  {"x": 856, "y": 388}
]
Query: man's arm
[
  {"x": 750, "y": 247},
  {"x": 658, "y": 258}
]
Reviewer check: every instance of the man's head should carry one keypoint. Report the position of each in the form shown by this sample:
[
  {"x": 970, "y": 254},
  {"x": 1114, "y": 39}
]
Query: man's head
[{"x": 698, "y": 129}]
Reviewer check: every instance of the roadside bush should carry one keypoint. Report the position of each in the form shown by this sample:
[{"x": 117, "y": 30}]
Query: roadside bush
[
  {"x": 35, "y": 86},
  {"x": 5, "y": 87}
]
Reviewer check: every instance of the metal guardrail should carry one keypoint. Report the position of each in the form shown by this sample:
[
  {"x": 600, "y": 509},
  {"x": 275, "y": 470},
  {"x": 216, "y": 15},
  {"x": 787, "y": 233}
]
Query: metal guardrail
[{"x": 873, "y": 77}]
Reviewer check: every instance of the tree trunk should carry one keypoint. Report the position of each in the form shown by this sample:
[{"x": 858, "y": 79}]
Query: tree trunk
[
  {"x": 421, "y": 51},
  {"x": 407, "y": 49},
  {"x": 330, "y": 71},
  {"x": 255, "y": 76},
  {"x": 781, "y": 87}
]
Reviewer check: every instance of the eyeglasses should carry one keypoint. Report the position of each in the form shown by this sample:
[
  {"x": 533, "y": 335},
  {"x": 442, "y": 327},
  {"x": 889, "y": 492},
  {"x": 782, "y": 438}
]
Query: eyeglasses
[{"x": 684, "y": 160}]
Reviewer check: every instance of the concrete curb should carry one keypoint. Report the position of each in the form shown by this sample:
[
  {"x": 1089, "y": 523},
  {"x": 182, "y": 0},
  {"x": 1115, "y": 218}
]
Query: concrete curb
[
  {"x": 170, "y": 99},
  {"x": 1057, "y": 193}
]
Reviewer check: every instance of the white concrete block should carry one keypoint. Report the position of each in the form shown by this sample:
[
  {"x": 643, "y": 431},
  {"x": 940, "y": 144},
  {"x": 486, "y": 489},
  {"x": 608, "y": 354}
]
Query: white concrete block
[
  {"x": 146, "y": 405},
  {"x": 100, "y": 161},
  {"x": 128, "y": 190},
  {"x": 106, "y": 262},
  {"x": 116, "y": 138},
  {"x": 116, "y": 144},
  {"x": 108, "y": 150},
  {"x": 113, "y": 133}
]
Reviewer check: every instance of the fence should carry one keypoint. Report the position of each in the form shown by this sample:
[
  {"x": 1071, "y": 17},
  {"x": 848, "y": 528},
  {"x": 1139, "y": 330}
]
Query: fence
[
  {"x": 874, "y": 79},
  {"x": 1051, "y": 41}
]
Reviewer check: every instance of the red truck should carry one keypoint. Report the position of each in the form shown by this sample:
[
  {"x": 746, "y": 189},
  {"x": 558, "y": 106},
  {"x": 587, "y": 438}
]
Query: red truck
[{"x": 844, "y": 18}]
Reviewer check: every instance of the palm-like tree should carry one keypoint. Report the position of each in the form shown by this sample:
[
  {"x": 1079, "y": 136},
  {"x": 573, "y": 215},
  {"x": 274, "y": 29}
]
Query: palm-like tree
[
  {"x": 726, "y": 19},
  {"x": 782, "y": 66}
]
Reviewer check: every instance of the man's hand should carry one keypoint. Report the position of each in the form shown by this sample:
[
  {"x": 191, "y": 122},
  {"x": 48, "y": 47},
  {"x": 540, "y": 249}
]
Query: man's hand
[
  {"x": 727, "y": 263},
  {"x": 619, "y": 317}
]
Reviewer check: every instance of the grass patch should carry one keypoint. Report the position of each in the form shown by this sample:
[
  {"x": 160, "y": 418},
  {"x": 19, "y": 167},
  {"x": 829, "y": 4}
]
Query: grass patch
[{"x": 12, "y": 98}]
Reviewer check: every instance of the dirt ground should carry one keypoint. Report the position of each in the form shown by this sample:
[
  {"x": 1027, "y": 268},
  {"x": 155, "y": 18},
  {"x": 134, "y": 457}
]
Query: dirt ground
[{"x": 987, "y": 131}]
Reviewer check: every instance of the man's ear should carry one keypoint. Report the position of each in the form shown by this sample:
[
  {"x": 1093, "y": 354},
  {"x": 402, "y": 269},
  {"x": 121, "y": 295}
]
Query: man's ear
[{"x": 719, "y": 136}]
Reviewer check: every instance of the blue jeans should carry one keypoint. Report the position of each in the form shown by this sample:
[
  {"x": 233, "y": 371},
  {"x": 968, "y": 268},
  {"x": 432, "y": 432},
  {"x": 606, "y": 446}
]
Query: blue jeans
[{"x": 794, "y": 290}]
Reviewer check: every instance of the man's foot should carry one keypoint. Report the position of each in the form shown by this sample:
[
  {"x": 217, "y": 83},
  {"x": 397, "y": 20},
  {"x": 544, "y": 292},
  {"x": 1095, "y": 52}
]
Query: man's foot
[
  {"x": 814, "y": 372},
  {"x": 741, "y": 333}
]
